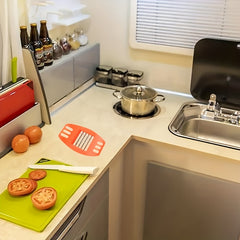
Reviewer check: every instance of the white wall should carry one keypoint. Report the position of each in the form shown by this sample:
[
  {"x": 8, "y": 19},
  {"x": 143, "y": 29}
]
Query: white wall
[{"x": 109, "y": 25}]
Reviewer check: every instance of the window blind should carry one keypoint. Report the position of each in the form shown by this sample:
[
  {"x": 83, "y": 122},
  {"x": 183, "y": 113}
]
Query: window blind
[{"x": 176, "y": 25}]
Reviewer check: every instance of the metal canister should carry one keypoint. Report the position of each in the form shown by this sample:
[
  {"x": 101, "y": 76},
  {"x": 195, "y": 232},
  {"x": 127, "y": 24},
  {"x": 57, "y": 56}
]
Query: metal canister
[
  {"x": 103, "y": 74},
  {"x": 134, "y": 77},
  {"x": 119, "y": 77}
]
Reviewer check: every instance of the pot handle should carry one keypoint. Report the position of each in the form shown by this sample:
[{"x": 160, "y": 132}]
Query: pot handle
[
  {"x": 117, "y": 94},
  {"x": 159, "y": 98}
]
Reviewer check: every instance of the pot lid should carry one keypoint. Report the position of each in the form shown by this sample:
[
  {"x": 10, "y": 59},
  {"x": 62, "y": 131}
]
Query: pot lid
[
  {"x": 216, "y": 69},
  {"x": 138, "y": 92}
]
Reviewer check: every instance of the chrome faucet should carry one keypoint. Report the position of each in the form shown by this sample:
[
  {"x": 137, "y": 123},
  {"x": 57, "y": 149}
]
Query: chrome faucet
[
  {"x": 213, "y": 104},
  {"x": 217, "y": 113}
]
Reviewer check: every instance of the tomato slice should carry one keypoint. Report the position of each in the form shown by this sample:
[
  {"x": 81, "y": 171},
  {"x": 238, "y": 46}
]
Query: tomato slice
[
  {"x": 44, "y": 198},
  {"x": 38, "y": 174},
  {"x": 21, "y": 186},
  {"x": 34, "y": 184}
]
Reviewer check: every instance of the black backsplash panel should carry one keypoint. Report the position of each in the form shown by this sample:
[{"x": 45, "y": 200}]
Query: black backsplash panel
[{"x": 216, "y": 69}]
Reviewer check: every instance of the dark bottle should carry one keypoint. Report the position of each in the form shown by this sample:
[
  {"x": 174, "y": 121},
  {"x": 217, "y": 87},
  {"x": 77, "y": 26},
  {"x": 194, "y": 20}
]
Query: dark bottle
[
  {"x": 37, "y": 46},
  {"x": 47, "y": 43},
  {"x": 25, "y": 38}
]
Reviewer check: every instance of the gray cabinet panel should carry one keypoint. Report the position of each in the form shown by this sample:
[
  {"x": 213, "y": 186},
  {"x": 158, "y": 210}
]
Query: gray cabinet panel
[
  {"x": 97, "y": 226},
  {"x": 93, "y": 220},
  {"x": 185, "y": 205},
  {"x": 70, "y": 72},
  {"x": 58, "y": 80},
  {"x": 85, "y": 65}
]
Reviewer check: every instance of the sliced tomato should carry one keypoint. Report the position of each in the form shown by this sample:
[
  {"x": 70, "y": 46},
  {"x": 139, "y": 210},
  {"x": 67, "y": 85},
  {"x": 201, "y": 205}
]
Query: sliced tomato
[
  {"x": 37, "y": 174},
  {"x": 21, "y": 186},
  {"x": 34, "y": 184},
  {"x": 44, "y": 198}
]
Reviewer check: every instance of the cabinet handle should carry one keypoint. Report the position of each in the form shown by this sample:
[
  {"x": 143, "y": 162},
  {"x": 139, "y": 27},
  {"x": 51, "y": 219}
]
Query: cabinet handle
[
  {"x": 75, "y": 218},
  {"x": 84, "y": 236},
  {"x": 71, "y": 223}
]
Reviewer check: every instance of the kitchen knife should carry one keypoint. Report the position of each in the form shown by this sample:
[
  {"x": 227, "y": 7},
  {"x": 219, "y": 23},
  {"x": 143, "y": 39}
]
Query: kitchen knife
[{"x": 64, "y": 168}]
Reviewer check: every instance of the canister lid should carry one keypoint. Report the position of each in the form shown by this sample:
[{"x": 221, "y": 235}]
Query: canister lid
[
  {"x": 135, "y": 73},
  {"x": 120, "y": 71},
  {"x": 104, "y": 68}
]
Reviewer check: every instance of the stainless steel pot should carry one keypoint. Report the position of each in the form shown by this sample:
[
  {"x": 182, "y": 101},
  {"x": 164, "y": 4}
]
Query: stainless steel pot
[{"x": 138, "y": 100}]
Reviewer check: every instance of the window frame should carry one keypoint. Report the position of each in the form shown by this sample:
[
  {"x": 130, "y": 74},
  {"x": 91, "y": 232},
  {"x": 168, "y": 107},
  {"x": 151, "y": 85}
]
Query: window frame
[{"x": 151, "y": 47}]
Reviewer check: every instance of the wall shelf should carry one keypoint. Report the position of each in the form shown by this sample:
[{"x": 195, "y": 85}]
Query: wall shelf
[
  {"x": 57, "y": 13},
  {"x": 70, "y": 20}
]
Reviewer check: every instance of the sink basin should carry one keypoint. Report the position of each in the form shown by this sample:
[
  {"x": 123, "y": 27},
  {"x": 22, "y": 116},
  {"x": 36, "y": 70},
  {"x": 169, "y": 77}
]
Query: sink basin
[{"x": 189, "y": 124}]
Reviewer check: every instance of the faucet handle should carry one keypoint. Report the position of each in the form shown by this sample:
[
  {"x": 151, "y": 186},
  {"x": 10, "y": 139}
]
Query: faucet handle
[
  {"x": 213, "y": 97},
  {"x": 212, "y": 103}
]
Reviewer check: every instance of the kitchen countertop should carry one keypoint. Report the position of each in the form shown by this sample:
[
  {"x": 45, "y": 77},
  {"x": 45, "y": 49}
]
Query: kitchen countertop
[{"x": 93, "y": 109}]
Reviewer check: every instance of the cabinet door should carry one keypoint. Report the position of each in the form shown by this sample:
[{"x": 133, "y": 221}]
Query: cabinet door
[
  {"x": 185, "y": 205},
  {"x": 93, "y": 221},
  {"x": 97, "y": 225}
]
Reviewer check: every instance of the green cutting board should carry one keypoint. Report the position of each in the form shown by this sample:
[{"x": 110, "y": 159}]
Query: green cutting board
[{"x": 20, "y": 210}]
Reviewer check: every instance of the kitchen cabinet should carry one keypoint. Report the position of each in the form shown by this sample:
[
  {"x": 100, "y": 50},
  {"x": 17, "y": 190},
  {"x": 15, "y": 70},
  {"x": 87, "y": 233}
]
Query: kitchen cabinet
[
  {"x": 182, "y": 204},
  {"x": 89, "y": 221},
  {"x": 208, "y": 184},
  {"x": 70, "y": 72}
]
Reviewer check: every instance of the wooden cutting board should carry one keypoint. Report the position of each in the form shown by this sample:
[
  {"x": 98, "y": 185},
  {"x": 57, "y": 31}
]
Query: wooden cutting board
[{"x": 20, "y": 210}]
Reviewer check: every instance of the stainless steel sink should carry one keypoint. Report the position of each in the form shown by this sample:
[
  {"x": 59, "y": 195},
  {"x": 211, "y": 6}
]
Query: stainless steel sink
[{"x": 191, "y": 122}]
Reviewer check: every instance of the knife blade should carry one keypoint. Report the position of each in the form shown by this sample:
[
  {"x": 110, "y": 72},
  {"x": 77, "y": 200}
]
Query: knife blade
[{"x": 64, "y": 168}]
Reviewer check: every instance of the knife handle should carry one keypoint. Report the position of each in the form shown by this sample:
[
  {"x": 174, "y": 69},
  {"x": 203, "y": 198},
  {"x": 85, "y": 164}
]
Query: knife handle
[{"x": 81, "y": 170}]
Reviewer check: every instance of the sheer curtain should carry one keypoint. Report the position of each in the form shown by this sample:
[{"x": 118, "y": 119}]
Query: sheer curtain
[{"x": 10, "y": 45}]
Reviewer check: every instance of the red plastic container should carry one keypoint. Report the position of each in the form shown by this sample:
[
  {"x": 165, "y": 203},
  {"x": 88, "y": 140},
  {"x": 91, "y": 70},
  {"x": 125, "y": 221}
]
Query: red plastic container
[{"x": 15, "y": 101}]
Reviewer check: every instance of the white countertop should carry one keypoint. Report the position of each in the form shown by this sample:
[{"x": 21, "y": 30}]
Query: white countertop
[{"x": 93, "y": 109}]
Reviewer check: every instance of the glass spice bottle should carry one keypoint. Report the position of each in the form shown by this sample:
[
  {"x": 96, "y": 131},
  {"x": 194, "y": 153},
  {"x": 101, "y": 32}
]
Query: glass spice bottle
[
  {"x": 47, "y": 43},
  {"x": 73, "y": 41},
  {"x": 65, "y": 45},
  {"x": 25, "y": 42},
  {"x": 57, "y": 50},
  {"x": 37, "y": 46}
]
